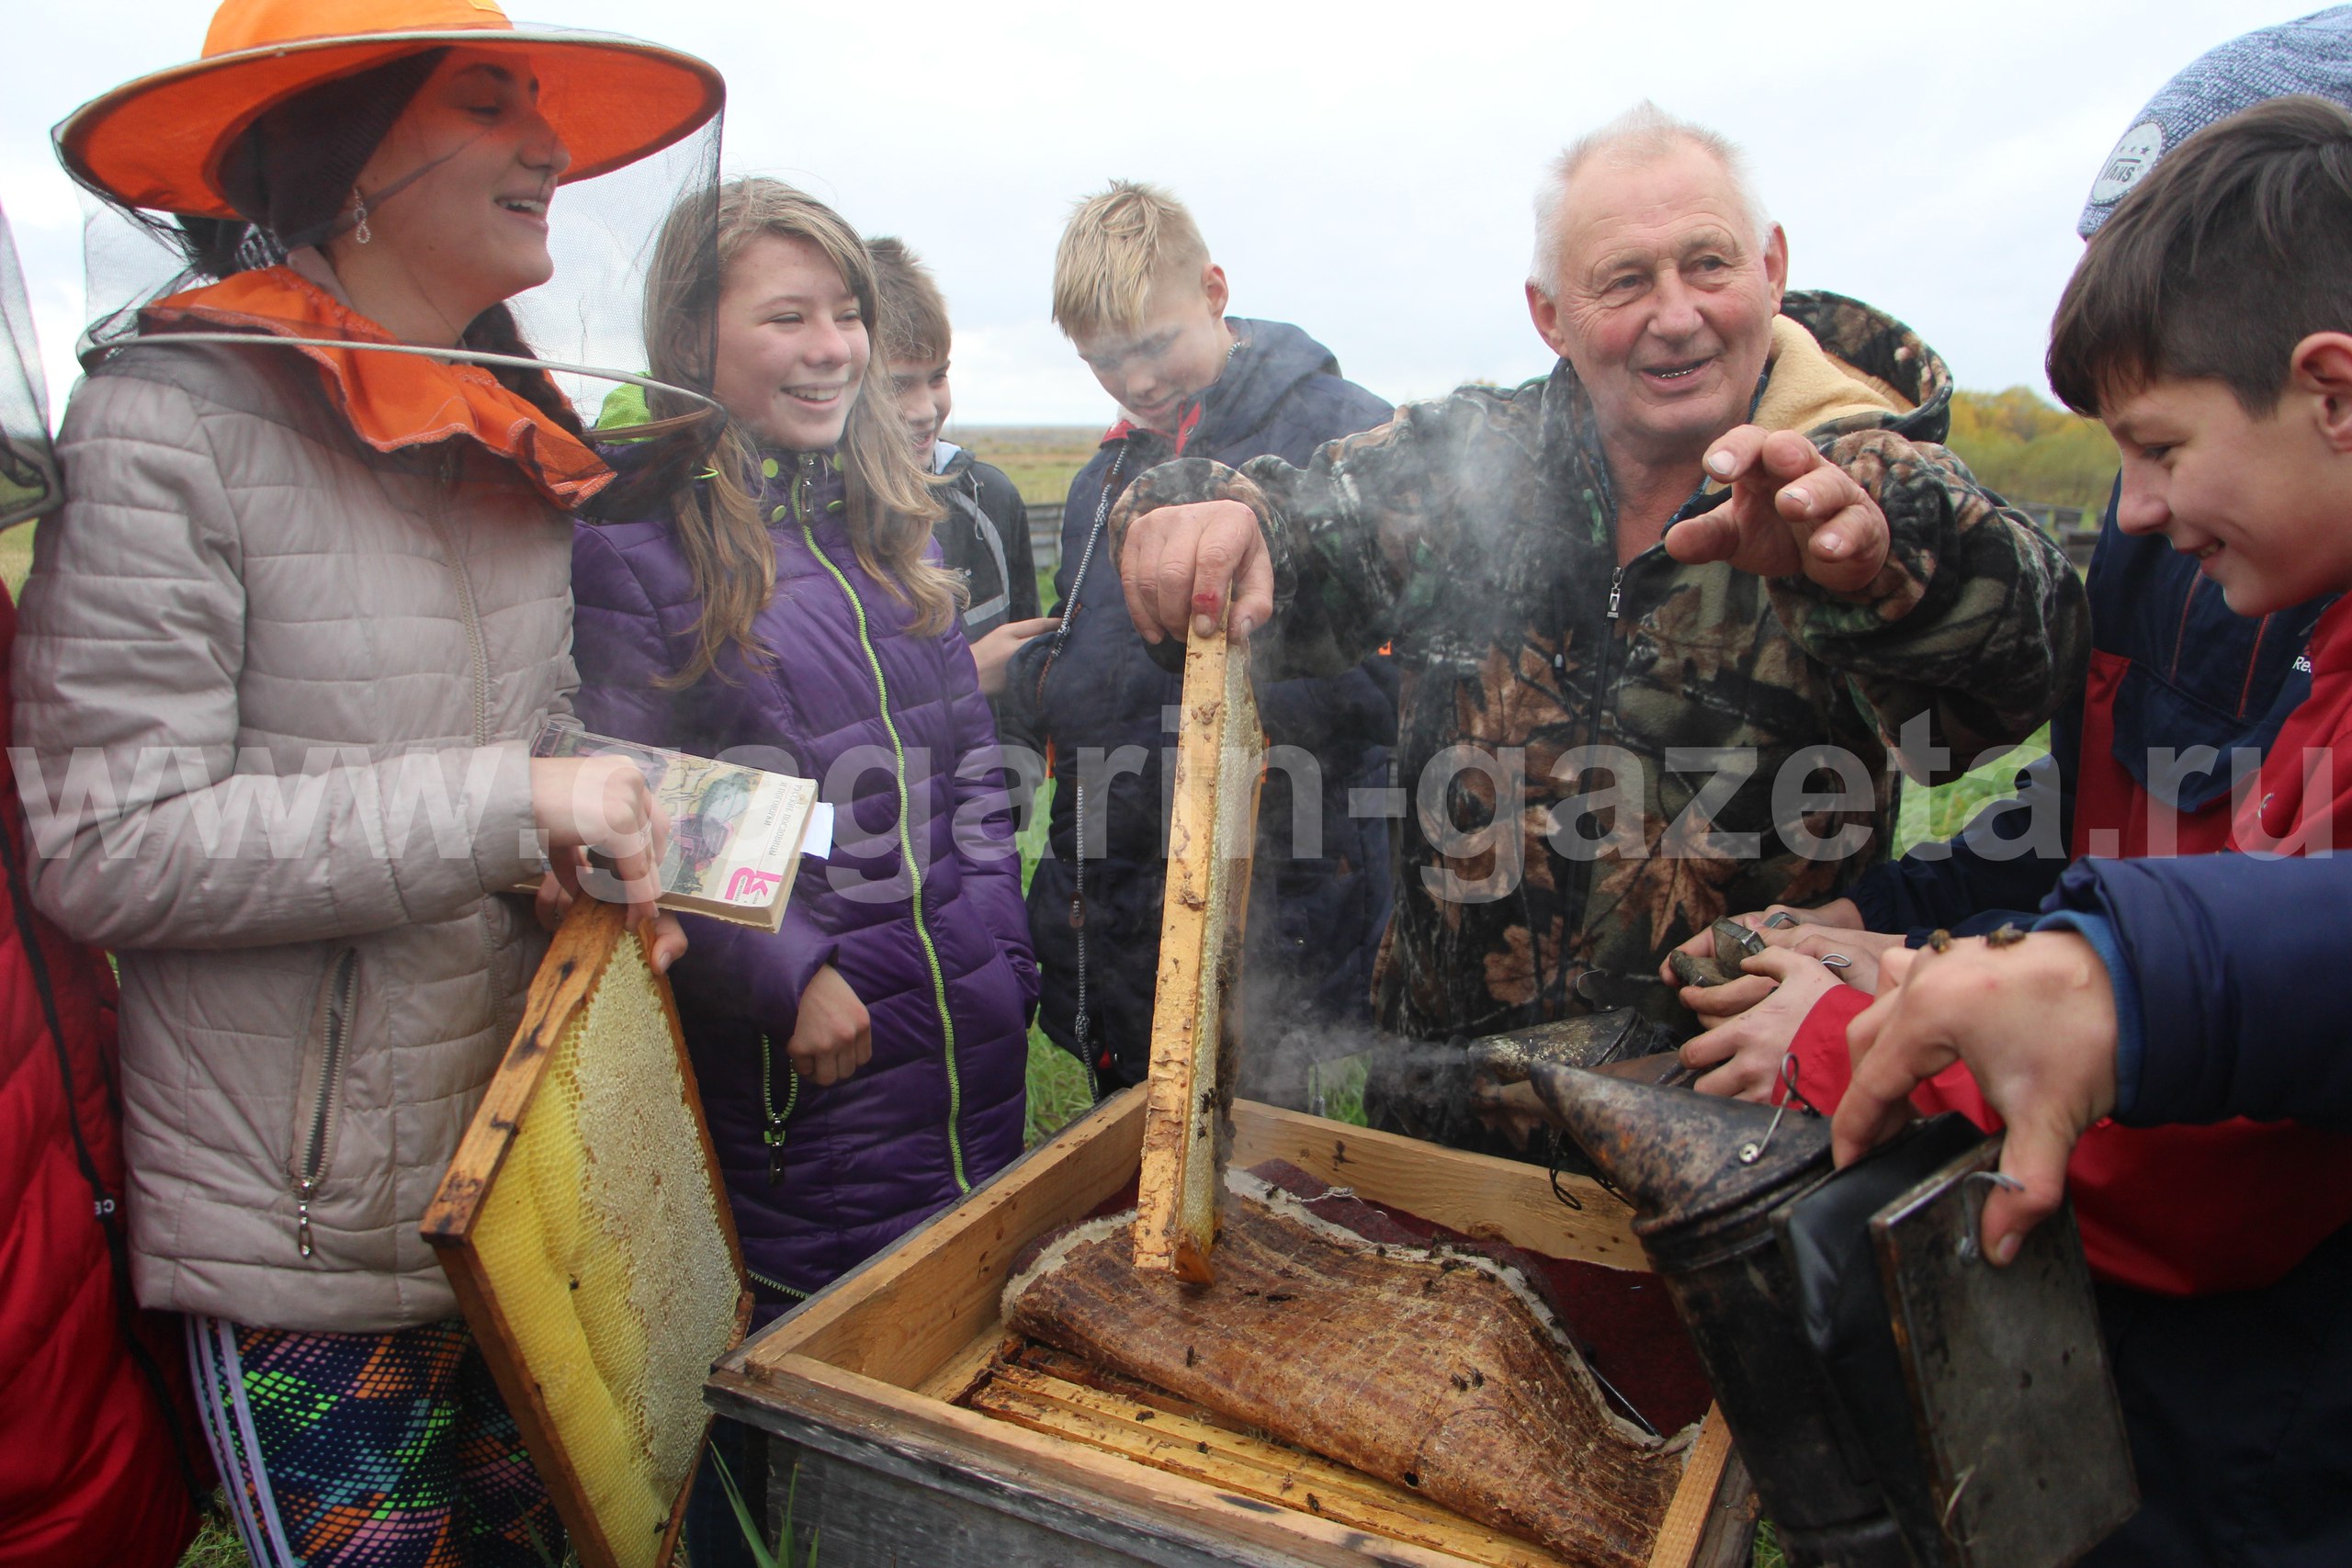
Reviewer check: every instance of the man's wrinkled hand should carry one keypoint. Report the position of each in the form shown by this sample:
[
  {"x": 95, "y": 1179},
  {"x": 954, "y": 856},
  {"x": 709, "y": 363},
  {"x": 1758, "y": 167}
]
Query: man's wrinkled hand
[
  {"x": 1791, "y": 512},
  {"x": 1180, "y": 565},
  {"x": 2034, "y": 1021}
]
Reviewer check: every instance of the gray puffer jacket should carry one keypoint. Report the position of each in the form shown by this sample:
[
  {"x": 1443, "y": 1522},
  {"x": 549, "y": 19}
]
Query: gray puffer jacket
[{"x": 292, "y": 681}]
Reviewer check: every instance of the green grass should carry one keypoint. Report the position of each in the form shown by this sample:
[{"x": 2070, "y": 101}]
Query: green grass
[
  {"x": 1940, "y": 812},
  {"x": 16, "y": 557},
  {"x": 216, "y": 1546}
]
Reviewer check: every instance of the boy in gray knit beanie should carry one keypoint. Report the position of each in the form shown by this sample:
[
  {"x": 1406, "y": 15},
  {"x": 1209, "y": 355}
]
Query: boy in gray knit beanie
[{"x": 2313, "y": 55}]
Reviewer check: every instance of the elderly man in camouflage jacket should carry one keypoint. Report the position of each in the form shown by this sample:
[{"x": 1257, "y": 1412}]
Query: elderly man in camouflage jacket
[{"x": 1611, "y": 734}]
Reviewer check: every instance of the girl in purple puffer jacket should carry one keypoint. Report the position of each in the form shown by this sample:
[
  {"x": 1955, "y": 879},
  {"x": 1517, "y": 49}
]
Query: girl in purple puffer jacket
[{"x": 863, "y": 1066}]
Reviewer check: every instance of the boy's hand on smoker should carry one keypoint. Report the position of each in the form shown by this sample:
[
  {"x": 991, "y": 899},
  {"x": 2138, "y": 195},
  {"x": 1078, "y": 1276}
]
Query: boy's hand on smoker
[
  {"x": 1860, "y": 951},
  {"x": 1792, "y": 511},
  {"x": 1181, "y": 563},
  {"x": 832, "y": 1037},
  {"x": 994, "y": 651},
  {"x": 1841, "y": 914},
  {"x": 1741, "y": 1053},
  {"x": 2034, "y": 1021}
]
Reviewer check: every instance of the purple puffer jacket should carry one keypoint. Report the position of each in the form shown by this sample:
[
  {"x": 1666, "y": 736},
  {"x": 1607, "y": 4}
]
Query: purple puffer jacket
[{"x": 824, "y": 1177}]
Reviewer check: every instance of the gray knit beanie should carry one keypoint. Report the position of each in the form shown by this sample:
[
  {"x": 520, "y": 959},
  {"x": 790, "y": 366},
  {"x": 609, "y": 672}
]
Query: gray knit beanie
[{"x": 2311, "y": 55}]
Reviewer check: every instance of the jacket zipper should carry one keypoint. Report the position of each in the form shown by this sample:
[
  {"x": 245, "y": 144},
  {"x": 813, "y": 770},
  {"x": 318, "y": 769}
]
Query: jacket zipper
[
  {"x": 1079, "y": 1028},
  {"x": 906, "y": 835},
  {"x": 314, "y": 1146},
  {"x": 1580, "y": 876},
  {"x": 772, "y": 1133}
]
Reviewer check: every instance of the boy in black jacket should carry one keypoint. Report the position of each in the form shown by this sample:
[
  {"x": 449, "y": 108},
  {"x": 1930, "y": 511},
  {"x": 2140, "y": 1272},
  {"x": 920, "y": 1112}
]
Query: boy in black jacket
[
  {"x": 985, "y": 534},
  {"x": 1136, "y": 293}
]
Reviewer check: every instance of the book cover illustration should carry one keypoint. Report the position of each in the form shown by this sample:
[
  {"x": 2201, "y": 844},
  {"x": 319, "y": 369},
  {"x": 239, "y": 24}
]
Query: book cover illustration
[{"x": 736, "y": 833}]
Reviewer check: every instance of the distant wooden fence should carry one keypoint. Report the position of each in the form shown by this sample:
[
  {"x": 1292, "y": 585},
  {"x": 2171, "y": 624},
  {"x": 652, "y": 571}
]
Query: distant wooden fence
[
  {"x": 2075, "y": 527},
  {"x": 1045, "y": 533}
]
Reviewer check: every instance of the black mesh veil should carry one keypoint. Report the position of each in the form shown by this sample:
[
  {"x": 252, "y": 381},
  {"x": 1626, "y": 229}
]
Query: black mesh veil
[
  {"x": 28, "y": 463},
  {"x": 587, "y": 324}
]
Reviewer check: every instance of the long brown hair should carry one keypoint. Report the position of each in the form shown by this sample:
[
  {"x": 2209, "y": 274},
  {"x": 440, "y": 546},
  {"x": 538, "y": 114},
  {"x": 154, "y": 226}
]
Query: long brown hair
[{"x": 892, "y": 503}]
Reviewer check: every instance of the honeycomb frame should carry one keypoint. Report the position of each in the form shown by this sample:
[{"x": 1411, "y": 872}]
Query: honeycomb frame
[{"x": 599, "y": 1296}]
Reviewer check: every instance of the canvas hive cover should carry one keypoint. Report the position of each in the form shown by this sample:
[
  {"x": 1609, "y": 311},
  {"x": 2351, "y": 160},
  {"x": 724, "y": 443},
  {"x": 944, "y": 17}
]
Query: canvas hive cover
[{"x": 584, "y": 1228}]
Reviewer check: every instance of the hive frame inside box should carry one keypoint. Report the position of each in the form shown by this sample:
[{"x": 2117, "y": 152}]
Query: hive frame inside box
[{"x": 858, "y": 1383}]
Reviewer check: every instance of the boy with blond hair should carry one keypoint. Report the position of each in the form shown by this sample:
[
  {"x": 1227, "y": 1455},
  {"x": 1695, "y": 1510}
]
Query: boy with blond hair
[
  {"x": 985, "y": 533},
  {"x": 1142, "y": 300}
]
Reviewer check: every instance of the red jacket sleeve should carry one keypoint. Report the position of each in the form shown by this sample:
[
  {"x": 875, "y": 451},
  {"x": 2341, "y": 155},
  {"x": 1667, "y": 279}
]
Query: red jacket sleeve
[{"x": 2180, "y": 1211}]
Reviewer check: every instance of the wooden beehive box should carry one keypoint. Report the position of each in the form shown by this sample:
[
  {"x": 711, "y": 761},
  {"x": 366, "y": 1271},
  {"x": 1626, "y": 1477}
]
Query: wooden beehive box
[{"x": 856, "y": 1389}]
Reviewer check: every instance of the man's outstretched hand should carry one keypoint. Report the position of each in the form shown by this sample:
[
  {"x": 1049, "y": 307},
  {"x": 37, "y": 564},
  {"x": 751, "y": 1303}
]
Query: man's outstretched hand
[
  {"x": 1791, "y": 512},
  {"x": 1180, "y": 565},
  {"x": 2034, "y": 1020}
]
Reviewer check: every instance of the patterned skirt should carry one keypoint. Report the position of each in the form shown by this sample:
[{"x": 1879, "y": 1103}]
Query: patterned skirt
[{"x": 369, "y": 1451}]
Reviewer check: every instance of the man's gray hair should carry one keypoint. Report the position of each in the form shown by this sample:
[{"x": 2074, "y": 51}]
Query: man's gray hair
[{"x": 1640, "y": 135}]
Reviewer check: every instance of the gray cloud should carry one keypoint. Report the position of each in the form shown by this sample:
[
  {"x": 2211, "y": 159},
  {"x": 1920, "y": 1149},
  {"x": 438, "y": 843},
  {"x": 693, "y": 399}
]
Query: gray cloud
[{"x": 1362, "y": 170}]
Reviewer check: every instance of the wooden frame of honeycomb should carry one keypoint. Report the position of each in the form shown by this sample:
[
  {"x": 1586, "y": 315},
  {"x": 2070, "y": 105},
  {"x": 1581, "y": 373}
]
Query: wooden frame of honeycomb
[{"x": 586, "y": 1231}]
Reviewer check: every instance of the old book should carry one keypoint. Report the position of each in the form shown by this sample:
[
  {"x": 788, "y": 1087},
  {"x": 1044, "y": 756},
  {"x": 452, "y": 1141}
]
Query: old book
[{"x": 736, "y": 833}]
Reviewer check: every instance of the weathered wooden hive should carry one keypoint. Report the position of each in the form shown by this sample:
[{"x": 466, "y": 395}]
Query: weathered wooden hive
[{"x": 909, "y": 1424}]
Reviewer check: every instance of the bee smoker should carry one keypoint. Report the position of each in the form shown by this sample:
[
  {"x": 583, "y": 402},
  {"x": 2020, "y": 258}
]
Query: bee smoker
[
  {"x": 1901, "y": 1402},
  {"x": 1706, "y": 1176}
]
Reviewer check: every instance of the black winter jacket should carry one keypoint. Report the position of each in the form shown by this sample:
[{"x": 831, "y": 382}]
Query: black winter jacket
[
  {"x": 985, "y": 535},
  {"x": 1091, "y": 692}
]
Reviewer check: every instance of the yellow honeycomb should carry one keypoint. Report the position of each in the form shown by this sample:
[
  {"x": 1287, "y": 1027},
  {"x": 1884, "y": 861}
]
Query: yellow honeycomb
[{"x": 603, "y": 1246}]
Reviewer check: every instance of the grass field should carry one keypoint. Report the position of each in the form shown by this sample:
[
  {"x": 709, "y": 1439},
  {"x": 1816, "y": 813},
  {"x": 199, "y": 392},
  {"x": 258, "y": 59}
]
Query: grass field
[
  {"x": 1040, "y": 460},
  {"x": 16, "y": 557}
]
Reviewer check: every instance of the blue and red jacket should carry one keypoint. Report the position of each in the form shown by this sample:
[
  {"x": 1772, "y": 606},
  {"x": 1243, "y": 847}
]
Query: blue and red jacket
[
  {"x": 2222, "y": 1251},
  {"x": 2177, "y": 684}
]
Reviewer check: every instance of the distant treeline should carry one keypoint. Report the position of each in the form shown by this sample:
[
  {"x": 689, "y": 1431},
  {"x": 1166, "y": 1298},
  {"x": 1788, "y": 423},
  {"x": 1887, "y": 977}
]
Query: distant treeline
[
  {"x": 2016, "y": 441},
  {"x": 2022, "y": 445}
]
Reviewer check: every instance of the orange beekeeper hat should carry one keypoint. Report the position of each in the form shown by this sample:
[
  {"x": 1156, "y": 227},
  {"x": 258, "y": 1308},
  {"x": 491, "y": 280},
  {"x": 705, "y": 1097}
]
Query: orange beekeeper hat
[{"x": 158, "y": 142}]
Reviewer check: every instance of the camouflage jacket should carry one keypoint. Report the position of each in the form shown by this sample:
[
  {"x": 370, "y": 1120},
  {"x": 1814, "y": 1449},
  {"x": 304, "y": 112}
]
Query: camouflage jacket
[{"x": 1597, "y": 762}]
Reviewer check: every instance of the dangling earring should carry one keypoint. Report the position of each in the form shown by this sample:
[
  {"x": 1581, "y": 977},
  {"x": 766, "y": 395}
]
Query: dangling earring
[{"x": 360, "y": 232}]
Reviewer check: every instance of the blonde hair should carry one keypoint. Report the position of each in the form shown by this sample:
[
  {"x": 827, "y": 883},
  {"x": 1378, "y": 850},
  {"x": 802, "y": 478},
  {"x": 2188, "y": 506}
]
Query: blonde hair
[
  {"x": 892, "y": 503},
  {"x": 1118, "y": 243},
  {"x": 1642, "y": 134}
]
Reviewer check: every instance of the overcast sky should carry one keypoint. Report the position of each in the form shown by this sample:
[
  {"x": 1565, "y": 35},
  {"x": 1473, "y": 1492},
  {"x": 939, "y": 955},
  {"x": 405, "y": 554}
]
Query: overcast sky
[{"x": 1364, "y": 170}]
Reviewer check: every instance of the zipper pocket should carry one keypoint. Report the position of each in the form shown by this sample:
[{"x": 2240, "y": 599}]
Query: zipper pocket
[
  {"x": 320, "y": 1093},
  {"x": 772, "y": 1121}
]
